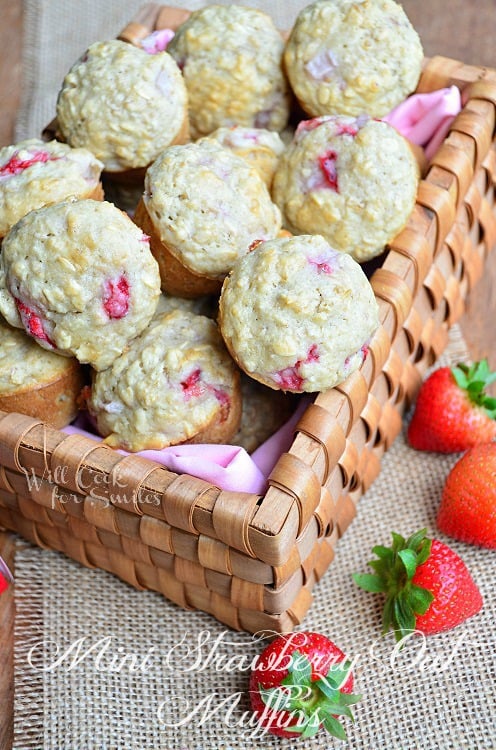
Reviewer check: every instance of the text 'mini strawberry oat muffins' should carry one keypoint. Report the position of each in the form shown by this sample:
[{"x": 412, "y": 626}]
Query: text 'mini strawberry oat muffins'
[
  {"x": 203, "y": 208},
  {"x": 79, "y": 277},
  {"x": 352, "y": 56},
  {"x": 34, "y": 173},
  {"x": 175, "y": 384},
  {"x": 259, "y": 147},
  {"x": 123, "y": 104},
  {"x": 352, "y": 180},
  {"x": 298, "y": 315},
  {"x": 35, "y": 381},
  {"x": 231, "y": 59}
]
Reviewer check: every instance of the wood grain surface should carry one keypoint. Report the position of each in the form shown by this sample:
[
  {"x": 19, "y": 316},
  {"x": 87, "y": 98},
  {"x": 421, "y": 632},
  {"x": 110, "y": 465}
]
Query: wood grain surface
[{"x": 458, "y": 29}]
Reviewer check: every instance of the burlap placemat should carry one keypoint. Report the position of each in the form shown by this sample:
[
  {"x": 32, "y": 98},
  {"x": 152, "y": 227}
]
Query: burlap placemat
[{"x": 100, "y": 666}]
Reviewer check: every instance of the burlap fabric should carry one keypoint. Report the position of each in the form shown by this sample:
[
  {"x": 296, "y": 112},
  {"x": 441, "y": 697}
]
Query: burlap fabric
[{"x": 100, "y": 666}]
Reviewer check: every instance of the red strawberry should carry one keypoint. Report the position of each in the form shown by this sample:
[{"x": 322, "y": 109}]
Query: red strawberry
[
  {"x": 5, "y": 576},
  {"x": 299, "y": 684},
  {"x": 468, "y": 504},
  {"x": 453, "y": 410},
  {"x": 428, "y": 587}
]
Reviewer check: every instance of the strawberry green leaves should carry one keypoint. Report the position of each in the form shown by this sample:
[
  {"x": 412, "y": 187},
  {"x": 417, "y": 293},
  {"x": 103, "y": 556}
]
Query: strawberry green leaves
[
  {"x": 302, "y": 683},
  {"x": 394, "y": 572},
  {"x": 315, "y": 703},
  {"x": 475, "y": 379}
]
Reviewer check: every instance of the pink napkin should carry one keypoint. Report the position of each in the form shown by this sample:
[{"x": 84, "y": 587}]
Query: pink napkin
[
  {"x": 422, "y": 118},
  {"x": 426, "y": 118},
  {"x": 226, "y": 466},
  {"x": 157, "y": 41}
]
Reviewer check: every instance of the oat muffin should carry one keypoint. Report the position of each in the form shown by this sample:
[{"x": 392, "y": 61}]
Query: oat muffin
[
  {"x": 34, "y": 173},
  {"x": 352, "y": 56},
  {"x": 231, "y": 58},
  {"x": 297, "y": 315},
  {"x": 175, "y": 384},
  {"x": 123, "y": 104},
  {"x": 79, "y": 277},
  {"x": 203, "y": 207},
  {"x": 36, "y": 382},
  {"x": 354, "y": 181},
  {"x": 261, "y": 148}
]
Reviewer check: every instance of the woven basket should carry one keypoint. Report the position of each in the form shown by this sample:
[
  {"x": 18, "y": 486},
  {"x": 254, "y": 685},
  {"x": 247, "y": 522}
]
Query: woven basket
[{"x": 252, "y": 561}]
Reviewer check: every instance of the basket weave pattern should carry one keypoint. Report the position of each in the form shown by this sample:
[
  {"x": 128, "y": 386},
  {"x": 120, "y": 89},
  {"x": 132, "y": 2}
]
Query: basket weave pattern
[{"x": 249, "y": 560}]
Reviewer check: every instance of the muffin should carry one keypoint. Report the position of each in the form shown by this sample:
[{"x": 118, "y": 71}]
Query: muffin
[
  {"x": 352, "y": 56},
  {"x": 79, "y": 277},
  {"x": 124, "y": 105},
  {"x": 297, "y": 315},
  {"x": 261, "y": 148},
  {"x": 175, "y": 384},
  {"x": 231, "y": 59},
  {"x": 34, "y": 173},
  {"x": 203, "y": 207},
  {"x": 37, "y": 382},
  {"x": 353, "y": 181}
]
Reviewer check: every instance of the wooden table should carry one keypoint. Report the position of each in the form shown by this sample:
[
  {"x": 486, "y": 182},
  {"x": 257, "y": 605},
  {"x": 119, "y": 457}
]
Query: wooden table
[{"x": 461, "y": 30}]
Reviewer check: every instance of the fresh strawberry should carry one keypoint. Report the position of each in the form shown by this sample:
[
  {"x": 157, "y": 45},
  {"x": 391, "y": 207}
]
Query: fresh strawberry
[
  {"x": 453, "y": 410},
  {"x": 468, "y": 504},
  {"x": 427, "y": 585},
  {"x": 300, "y": 683}
]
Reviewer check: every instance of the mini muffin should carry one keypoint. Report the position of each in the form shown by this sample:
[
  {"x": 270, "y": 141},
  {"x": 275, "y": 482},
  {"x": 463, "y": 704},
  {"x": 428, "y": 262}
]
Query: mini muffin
[
  {"x": 124, "y": 105},
  {"x": 36, "y": 382},
  {"x": 203, "y": 207},
  {"x": 79, "y": 277},
  {"x": 352, "y": 56},
  {"x": 261, "y": 148},
  {"x": 354, "y": 181},
  {"x": 297, "y": 315},
  {"x": 34, "y": 173},
  {"x": 175, "y": 384},
  {"x": 231, "y": 58}
]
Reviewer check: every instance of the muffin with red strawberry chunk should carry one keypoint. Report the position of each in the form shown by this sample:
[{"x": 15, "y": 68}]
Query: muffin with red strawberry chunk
[
  {"x": 34, "y": 173},
  {"x": 352, "y": 56},
  {"x": 175, "y": 384},
  {"x": 35, "y": 381},
  {"x": 261, "y": 148},
  {"x": 203, "y": 208},
  {"x": 298, "y": 315},
  {"x": 79, "y": 277},
  {"x": 124, "y": 105},
  {"x": 352, "y": 180},
  {"x": 231, "y": 59}
]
